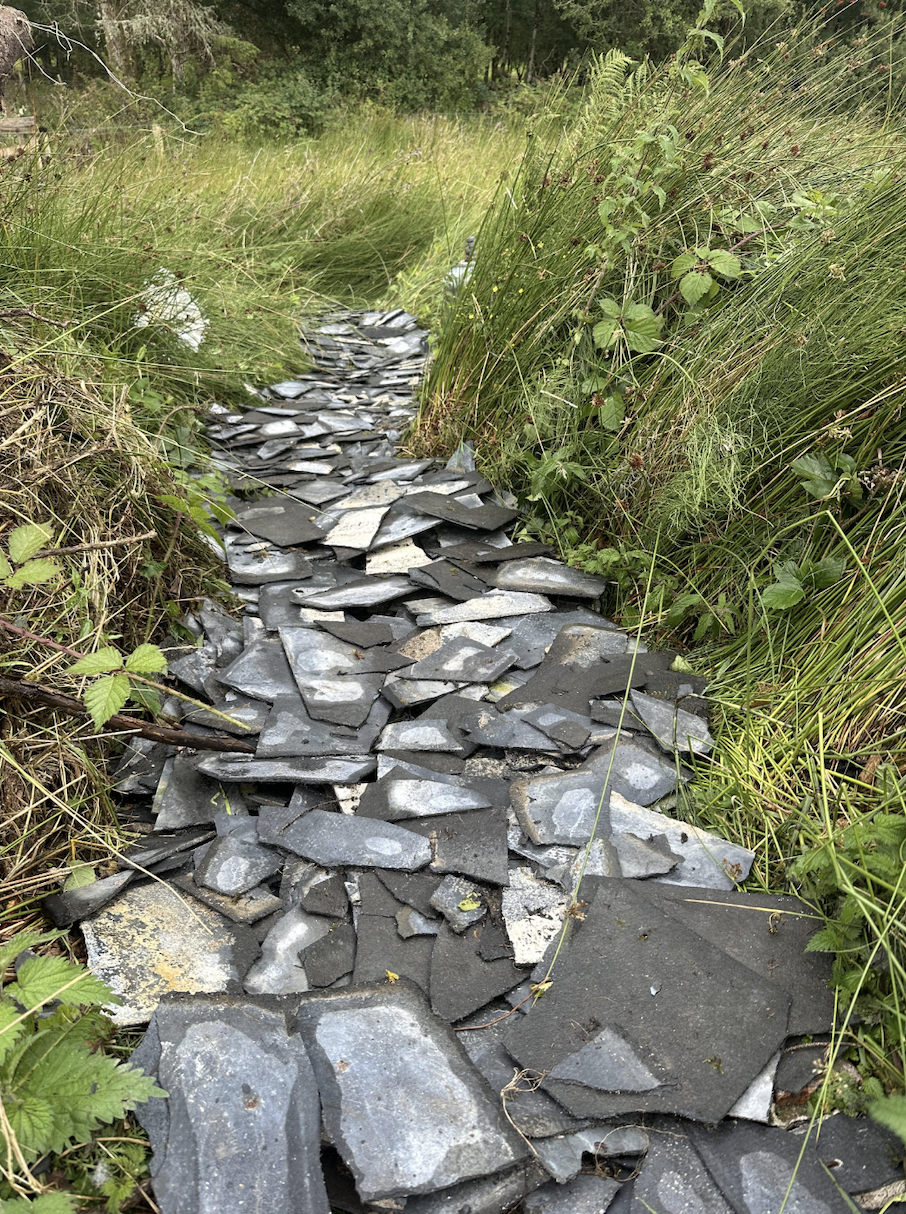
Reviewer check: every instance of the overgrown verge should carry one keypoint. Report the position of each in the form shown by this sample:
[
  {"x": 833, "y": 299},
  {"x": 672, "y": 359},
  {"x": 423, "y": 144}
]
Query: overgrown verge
[{"x": 682, "y": 344}]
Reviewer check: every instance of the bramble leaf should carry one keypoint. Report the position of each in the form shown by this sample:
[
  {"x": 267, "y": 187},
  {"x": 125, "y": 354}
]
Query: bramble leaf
[
  {"x": 612, "y": 412},
  {"x": 786, "y": 592},
  {"x": 147, "y": 659},
  {"x": 606, "y": 333},
  {"x": 28, "y": 539},
  {"x": 106, "y": 697},
  {"x": 681, "y": 264},
  {"x": 642, "y": 328},
  {"x": 100, "y": 662},
  {"x": 890, "y": 1111},
  {"x": 34, "y": 573},
  {"x": 5, "y": 567},
  {"x": 727, "y": 265},
  {"x": 47, "y": 1203},
  {"x": 695, "y": 285}
]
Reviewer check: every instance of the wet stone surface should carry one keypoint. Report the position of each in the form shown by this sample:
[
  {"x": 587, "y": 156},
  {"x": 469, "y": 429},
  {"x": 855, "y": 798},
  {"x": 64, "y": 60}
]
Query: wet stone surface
[{"x": 448, "y": 735}]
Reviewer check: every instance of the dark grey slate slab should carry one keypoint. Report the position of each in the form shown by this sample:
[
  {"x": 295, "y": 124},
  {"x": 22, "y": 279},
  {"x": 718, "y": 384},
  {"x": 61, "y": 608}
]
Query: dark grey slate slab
[
  {"x": 641, "y": 858},
  {"x": 401, "y": 1101},
  {"x": 156, "y": 848},
  {"x": 563, "y": 1155},
  {"x": 196, "y": 667},
  {"x": 239, "y": 715},
  {"x": 140, "y": 767},
  {"x": 496, "y": 604},
  {"x": 381, "y": 950},
  {"x": 290, "y": 731},
  {"x": 570, "y": 730},
  {"x": 331, "y": 957},
  {"x": 276, "y": 822},
  {"x": 673, "y": 727},
  {"x": 481, "y": 553},
  {"x": 490, "y": 1195},
  {"x": 361, "y": 635},
  {"x": 333, "y": 839},
  {"x": 424, "y": 734},
  {"x": 342, "y": 699},
  {"x": 460, "y": 902},
  {"x": 410, "y": 922},
  {"x": 414, "y": 889},
  {"x": 461, "y": 980},
  {"x": 460, "y": 660},
  {"x": 231, "y": 1064},
  {"x": 545, "y": 576},
  {"x": 281, "y": 521},
  {"x": 802, "y": 1064},
  {"x": 312, "y": 654},
  {"x": 240, "y": 770},
  {"x": 363, "y": 592},
  {"x": 70, "y": 905},
  {"x": 647, "y": 1015},
  {"x": 279, "y": 970},
  {"x": 185, "y": 796},
  {"x": 488, "y": 726},
  {"x": 584, "y": 1195},
  {"x": 261, "y": 671},
  {"x": 766, "y": 933},
  {"x": 248, "y": 908},
  {"x": 673, "y": 1177},
  {"x": 762, "y": 1168},
  {"x": 271, "y": 565},
  {"x": 449, "y": 579},
  {"x": 860, "y": 1154},
  {"x": 326, "y": 895},
  {"x": 278, "y": 606},
  {"x": 483, "y": 518},
  {"x": 398, "y": 797},
  {"x": 472, "y": 844},
  {"x": 237, "y": 861},
  {"x": 564, "y": 808}
]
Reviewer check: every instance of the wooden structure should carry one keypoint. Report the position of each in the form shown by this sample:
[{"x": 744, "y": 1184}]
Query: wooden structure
[{"x": 16, "y": 133}]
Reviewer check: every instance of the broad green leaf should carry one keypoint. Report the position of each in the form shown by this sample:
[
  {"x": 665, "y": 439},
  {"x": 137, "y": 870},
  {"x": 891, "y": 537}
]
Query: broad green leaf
[
  {"x": 606, "y": 333},
  {"x": 47, "y": 1203},
  {"x": 5, "y": 567},
  {"x": 815, "y": 465},
  {"x": 31, "y": 1119},
  {"x": 80, "y": 877},
  {"x": 611, "y": 308},
  {"x": 147, "y": 659},
  {"x": 43, "y": 978},
  {"x": 726, "y": 264},
  {"x": 101, "y": 662},
  {"x": 681, "y": 264},
  {"x": 606, "y": 209},
  {"x": 891, "y": 1111},
  {"x": 106, "y": 697},
  {"x": 148, "y": 698},
  {"x": 694, "y": 286},
  {"x": 28, "y": 539},
  {"x": 34, "y": 573},
  {"x": 11, "y": 949},
  {"x": 612, "y": 412},
  {"x": 715, "y": 38},
  {"x": 827, "y": 571},
  {"x": 786, "y": 592},
  {"x": 642, "y": 329},
  {"x": 10, "y": 1031}
]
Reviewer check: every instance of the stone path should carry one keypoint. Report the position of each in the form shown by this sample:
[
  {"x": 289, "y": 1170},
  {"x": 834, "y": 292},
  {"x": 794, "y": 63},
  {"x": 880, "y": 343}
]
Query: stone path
[{"x": 438, "y": 944}]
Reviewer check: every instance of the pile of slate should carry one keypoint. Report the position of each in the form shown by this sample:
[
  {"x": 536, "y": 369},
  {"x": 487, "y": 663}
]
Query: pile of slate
[{"x": 429, "y": 939}]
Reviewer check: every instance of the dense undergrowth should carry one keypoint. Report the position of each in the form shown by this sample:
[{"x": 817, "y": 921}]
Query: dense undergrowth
[{"x": 683, "y": 346}]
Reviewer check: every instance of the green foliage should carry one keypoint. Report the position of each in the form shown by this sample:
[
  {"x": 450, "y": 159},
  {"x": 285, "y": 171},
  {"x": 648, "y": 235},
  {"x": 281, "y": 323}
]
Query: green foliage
[
  {"x": 24, "y": 542},
  {"x": 891, "y": 1111},
  {"x": 46, "y": 1203},
  {"x": 106, "y": 697},
  {"x": 56, "y": 1083},
  {"x": 636, "y": 325},
  {"x": 696, "y": 271},
  {"x": 795, "y": 583}
]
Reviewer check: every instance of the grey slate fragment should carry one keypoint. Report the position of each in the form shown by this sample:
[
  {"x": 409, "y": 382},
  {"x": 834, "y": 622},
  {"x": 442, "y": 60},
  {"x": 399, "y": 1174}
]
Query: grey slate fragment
[
  {"x": 861, "y": 1154},
  {"x": 70, "y": 905},
  {"x": 638, "y": 995},
  {"x": 342, "y": 699},
  {"x": 461, "y": 980},
  {"x": 326, "y": 895},
  {"x": 674, "y": 728},
  {"x": 424, "y": 734},
  {"x": 364, "y": 592},
  {"x": 460, "y": 902},
  {"x": 148, "y": 941},
  {"x": 261, "y": 671},
  {"x": 545, "y": 576},
  {"x": 495, "y": 1194},
  {"x": 496, "y": 604},
  {"x": 482, "y": 518},
  {"x": 482, "y": 553},
  {"x": 400, "y": 796},
  {"x": 463, "y": 661},
  {"x": 673, "y": 1177},
  {"x": 237, "y": 861},
  {"x": 410, "y": 922},
  {"x": 472, "y": 844},
  {"x": 278, "y": 971},
  {"x": 584, "y": 1195},
  {"x": 155, "y": 848},
  {"x": 276, "y": 822},
  {"x": 281, "y": 521},
  {"x": 248, "y": 908},
  {"x": 380, "y": 949},
  {"x": 640, "y": 858},
  {"x": 334, "y": 839},
  {"x": 331, "y": 957},
  {"x": 140, "y": 767},
  {"x": 272, "y": 565},
  {"x": 563, "y": 808},
  {"x": 563, "y": 1155},
  {"x": 488, "y": 726},
  {"x": 762, "y": 1168},
  {"x": 766, "y": 933},
  {"x": 400, "y": 1099},
  {"x": 312, "y": 653},
  {"x": 291, "y": 732},
  {"x": 186, "y": 797},
  {"x": 802, "y": 1063},
  {"x": 570, "y": 730},
  {"x": 239, "y": 769},
  {"x": 447, "y": 578},
  {"x": 361, "y": 635},
  {"x": 231, "y": 1064},
  {"x": 414, "y": 889}
]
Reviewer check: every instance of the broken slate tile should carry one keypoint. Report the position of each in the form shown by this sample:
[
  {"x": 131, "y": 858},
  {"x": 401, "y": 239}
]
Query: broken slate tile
[
  {"x": 242, "y": 770},
  {"x": 450, "y": 580},
  {"x": 640, "y": 858},
  {"x": 583, "y": 1195},
  {"x": 356, "y": 528},
  {"x": 506, "y": 730},
  {"x": 461, "y": 980},
  {"x": 709, "y": 1024},
  {"x": 325, "y": 895},
  {"x": 563, "y": 809},
  {"x": 151, "y": 940},
  {"x": 312, "y": 653},
  {"x": 480, "y": 552},
  {"x": 494, "y": 605},
  {"x": 186, "y": 797},
  {"x": 258, "y": 568},
  {"x": 410, "y": 922},
  {"x": 533, "y": 635},
  {"x": 333, "y": 839},
  {"x": 472, "y": 844},
  {"x": 463, "y": 661},
  {"x": 460, "y": 902},
  {"x": 756, "y": 1101},
  {"x": 237, "y": 861},
  {"x": 230, "y": 1063},
  {"x": 71, "y": 905},
  {"x": 139, "y": 770},
  {"x": 396, "y": 558},
  {"x": 674, "y": 728},
  {"x": 283, "y": 523},
  {"x": 414, "y": 889},
  {"x": 533, "y": 911},
  {"x": 250, "y": 907},
  {"x": 562, "y": 1155},
  {"x": 364, "y": 592},
  {"x": 289, "y": 731},
  {"x": 342, "y": 699},
  {"x": 674, "y": 1178},
  {"x": 361, "y": 635},
  {"x": 278, "y": 971},
  {"x": 541, "y": 575},
  {"x": 483, "y": 518},
  {"x": 261, "y": 671},
  {"x": 381, "y": 950},
  {"x": 396, "y": 798},
  {"x": 424, "y": 734},
  {"x": 489, "y": 1195},
  {"x": 861, "y": 1154},
  {"x": 400, "y": 1099},
  {"x": 331, "y": 957}
]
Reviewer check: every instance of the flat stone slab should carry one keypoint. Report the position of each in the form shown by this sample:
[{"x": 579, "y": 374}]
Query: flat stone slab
[
  {"x": 356, "y": 528},
  {"x": 285, "y": 523},
  {"x": 674, "y": 1178},
  {"x": 259, "y": 568},
  {"x": 401, "y": 1101},
  {"x": 446, "y": 578},
  {"x": 290, "y": 731},
  {"x": 674, "y": 728},
  {"x": 644, "y": 1014},
  {"x": 333, "y": 839},
  {"x": 152, "y": 940},
  {"x": 237, "y": 861},
  {"x": 540, "y": 575},
  {"x": 240, "y": 770},
  {"x": 241, "y": 1090},
  {"x": 364, "y": 592},
  {"x": 396, "y": 798},
  {"x": 423, "y": 734},
  {"x": 278, "y": 970},
  {"x": 584, "y": 1195},
  {"x": 533, "y": 911},
  {"x": 494, "y": 605},
  {"x": 460, "y": 660},
  {"x": 342, "y": 699},
  {"x": 472, "y": 844},
  {"x": 461, "y": 979},
  {"x": 485, "y": 517}
]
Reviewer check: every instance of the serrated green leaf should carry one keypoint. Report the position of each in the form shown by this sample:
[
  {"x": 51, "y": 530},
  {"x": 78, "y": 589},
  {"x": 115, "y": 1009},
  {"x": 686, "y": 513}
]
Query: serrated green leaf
[
  {"x": 43, "y": 979},
  {"x": 5, "y": 567},
  {"x": 147, "y": 659},
  {"x": 612, "y": 413},
  {"x": 695, "y": 285},
  {"x": 827, "y": 571},
  {"x": 681, "y": 264},
  {"x": 147, "y": 698},
  {"x": 100, "y": 662},
  {"x": 611, "y": 308},
  {"x": 34, "y": 573},
  {"x": 891, "y": 1111},
  {"x": 815, "y": 465},
  {"x": 28, "y": 539},
  {"x": 606, "y": 333},
  {"x": 80, "y": 877},
  {"x": 727, "y": 265},
  {"x": 786, "y": 592},
  {"x": 106, "y": 697},
  {"x": 642, "y": 329},
  {"x": 11, "y": 1032},
  {"x": 47, "y": 1203},
  {"x": 31, "y": 1120},
  {"x": 11, "y": 949}
]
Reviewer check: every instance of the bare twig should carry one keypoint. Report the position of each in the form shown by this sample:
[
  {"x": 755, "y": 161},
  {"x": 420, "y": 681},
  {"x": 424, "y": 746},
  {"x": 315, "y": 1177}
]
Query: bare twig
[
  {"x": 131, "y": 539},
  {"x": 470, "y": 1028},
  {"x": 10, "y": 313},
  {"x": 145, "y": 729}
]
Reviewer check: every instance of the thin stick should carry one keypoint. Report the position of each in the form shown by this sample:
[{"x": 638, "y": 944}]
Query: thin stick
[
  {"x": 9, "y": 313},
  {"x": 132, "y": 539},
  {"x": 145, "y": 729}
]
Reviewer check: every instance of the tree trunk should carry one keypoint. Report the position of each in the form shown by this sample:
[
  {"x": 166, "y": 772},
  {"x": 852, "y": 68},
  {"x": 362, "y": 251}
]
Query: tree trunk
[
  {"x": 530, "y": 72},
  {"x": 119, "y": 57}
]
